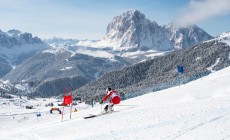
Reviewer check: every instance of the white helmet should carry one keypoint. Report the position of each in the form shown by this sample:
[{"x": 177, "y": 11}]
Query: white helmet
[{"x": 107, "y": 89}]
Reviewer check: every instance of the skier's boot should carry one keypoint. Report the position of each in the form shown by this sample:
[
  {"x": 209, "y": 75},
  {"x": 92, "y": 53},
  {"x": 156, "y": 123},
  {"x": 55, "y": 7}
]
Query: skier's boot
[
  {"x": 111, "y": 108},
  {"x": 106, "y": 108}
]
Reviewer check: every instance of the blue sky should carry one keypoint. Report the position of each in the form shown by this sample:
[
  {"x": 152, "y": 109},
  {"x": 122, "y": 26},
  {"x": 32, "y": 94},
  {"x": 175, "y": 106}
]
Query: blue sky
[{"x": 88, "y": 19}]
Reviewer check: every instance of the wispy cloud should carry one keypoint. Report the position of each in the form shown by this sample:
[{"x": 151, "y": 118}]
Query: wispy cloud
[{"x": 201, "y": 10}]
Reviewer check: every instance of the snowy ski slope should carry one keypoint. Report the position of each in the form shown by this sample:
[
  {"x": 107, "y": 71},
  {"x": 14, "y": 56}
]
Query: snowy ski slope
[{"x": 199, "y": 110}]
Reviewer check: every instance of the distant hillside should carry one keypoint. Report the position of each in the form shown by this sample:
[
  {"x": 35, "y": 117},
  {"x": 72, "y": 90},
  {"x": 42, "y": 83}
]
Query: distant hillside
[
  {"x": 50, "y": 72},
  {"x": 16, "y": 47},
  {"x": 161, "y": 72}
]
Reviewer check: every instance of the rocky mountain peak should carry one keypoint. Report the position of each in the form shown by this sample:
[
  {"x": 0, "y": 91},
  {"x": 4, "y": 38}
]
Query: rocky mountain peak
[
  {"x": 17, "y": 38},
  {"x": 184, "y": 37},
  {"x": 123, "y": 24},
  {"x": 133, "y": 15},
  {"x": 14, "y": 32},
  {"x": 132, "y": 31}
]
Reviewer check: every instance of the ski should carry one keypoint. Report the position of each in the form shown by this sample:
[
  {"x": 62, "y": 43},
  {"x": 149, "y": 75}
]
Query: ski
[
  {"x": 93, "y": 115},
  {"x": 90, "y": 116},
  {"x": 96, "y": 115}
]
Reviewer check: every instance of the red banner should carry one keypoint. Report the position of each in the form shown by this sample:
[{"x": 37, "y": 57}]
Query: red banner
[{"x": 67, "y": 99}]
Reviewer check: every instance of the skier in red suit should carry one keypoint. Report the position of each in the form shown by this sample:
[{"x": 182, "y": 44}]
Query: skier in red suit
[{"x": 114, "y": 98}]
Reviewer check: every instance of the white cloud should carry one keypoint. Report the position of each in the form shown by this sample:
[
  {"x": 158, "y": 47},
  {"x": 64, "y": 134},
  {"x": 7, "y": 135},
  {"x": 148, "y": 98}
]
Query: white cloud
[{"x": 200, "y": 10}]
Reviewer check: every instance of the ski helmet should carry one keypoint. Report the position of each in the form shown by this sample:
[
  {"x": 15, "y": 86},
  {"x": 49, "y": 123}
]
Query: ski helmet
[{"x": 107, "y": 89}]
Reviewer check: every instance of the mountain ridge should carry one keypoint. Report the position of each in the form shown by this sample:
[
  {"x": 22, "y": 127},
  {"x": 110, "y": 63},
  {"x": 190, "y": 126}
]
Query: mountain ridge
[
  {"x": 132, "y": 31},
  {"x": 76, "y": 58},
  {"x": 16, "y": 47}
]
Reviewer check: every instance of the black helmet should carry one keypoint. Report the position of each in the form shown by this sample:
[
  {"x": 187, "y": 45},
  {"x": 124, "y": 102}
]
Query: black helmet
[{"x": 107, "y": 89}]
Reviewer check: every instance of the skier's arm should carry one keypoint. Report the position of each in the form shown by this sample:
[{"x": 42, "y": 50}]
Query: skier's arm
[{"x": 106, "y": 97}]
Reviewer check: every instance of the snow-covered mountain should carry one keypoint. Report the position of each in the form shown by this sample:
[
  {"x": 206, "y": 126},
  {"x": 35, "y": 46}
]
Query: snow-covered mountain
[
  {"x": 132, "y": 35},
  {"x": 56, "y": 42},
  {"x": 224, "y": 37},
  {"x": 184, "y": 37},
  {"x": 132, "y": 31},
  {"x": 53, "y": 69},
  {"x": 69, "y": 63},
  {"x": 131, "y": 38},
  {"x": 15, "y": 47},
  {"x": 14, "y": 38},
  {"x": 15, "y": 43}
]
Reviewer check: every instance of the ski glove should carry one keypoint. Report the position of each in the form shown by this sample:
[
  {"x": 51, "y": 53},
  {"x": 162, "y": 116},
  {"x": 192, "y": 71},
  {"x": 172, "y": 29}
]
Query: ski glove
[{"x": 101, "y": 102}]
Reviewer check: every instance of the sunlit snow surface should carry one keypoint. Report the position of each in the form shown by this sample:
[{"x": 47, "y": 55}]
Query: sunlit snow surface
[{"x": 199, "y": 110}]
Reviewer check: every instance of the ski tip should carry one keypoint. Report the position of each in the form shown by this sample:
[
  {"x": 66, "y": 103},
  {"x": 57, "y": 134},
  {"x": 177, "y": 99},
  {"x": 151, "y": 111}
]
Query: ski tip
[{"x": 91, "y": 116}]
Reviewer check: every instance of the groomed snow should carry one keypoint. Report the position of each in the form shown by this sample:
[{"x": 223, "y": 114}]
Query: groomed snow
[{"x": 199, "y": 110}]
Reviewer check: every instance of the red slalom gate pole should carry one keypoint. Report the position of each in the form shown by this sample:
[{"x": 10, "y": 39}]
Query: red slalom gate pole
[
  {"x": 63, "y": 103},
  {"x": 71, "y": 102}
]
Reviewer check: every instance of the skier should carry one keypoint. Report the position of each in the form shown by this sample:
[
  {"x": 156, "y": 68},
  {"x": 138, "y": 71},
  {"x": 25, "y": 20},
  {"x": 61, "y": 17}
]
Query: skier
[{"x": 114, "y": 99}]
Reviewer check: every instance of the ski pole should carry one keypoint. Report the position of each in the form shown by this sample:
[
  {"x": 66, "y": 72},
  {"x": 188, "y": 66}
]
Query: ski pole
[{"x": 101, "y": 108}]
